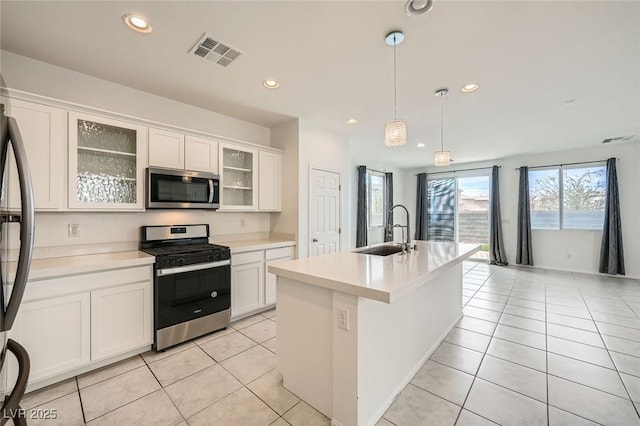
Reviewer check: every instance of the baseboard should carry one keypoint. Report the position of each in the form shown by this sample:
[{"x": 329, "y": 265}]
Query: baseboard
[{"x": 405, "y": 381}]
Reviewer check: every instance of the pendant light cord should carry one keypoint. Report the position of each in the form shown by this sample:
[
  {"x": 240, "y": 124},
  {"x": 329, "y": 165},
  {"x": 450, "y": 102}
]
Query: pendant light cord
[
  {"x": 395, "y": 82},
  {"x": 441, "y": 123}
]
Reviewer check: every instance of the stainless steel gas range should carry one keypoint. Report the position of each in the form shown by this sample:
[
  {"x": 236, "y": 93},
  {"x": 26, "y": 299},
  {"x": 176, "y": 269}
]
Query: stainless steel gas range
[{"x": 192, "y": 283}]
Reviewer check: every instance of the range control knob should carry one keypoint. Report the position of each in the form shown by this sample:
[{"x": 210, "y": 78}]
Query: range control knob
[{"x": 180, "y": 262}]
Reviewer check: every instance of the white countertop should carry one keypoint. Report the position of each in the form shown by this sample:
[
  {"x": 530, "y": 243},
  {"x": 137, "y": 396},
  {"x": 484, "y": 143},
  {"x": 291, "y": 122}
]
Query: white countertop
[
  {"x": 58, "y": 266},
  {"x": 242, "y": 246},
  {"x": 383, "y": 278}
]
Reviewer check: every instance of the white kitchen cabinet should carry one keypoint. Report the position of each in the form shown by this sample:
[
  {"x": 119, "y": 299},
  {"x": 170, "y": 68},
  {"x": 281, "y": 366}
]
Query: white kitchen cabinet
[
  {"x": 247, "y": 288},
  {"x": 238, "y": 177},
  {"x": 73, "y": 323},
  {"x": 120, "y": 319},
  {"x": 56, "y": 334},
  {"x": 252, "y": 287},
  {"x": 184, "y": 152},
  {"x": 200, "y": 154},
  {"x": 106, "y": 163},
  {"x": 44, "y": 133},
  {"x": 272, "y": 256},
  {"x": 270, "y": 181},
  {"x": 166, "y": 149}
]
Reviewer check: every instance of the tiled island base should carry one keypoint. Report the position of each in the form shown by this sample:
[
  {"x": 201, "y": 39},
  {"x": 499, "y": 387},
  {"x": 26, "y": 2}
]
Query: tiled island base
[{"x": 533, "y": 347}]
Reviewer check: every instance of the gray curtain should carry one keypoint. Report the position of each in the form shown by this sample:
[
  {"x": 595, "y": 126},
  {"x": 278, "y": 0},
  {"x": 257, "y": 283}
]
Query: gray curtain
[
  {"x": 388, "y": 203},
  {"x": 421, "y": 207},
  {"x": 497, "y": 254},
  {"x": 525, "y": 252},
  {"x": 611, "y": 252},
  {"x": 361, "y": 218}
]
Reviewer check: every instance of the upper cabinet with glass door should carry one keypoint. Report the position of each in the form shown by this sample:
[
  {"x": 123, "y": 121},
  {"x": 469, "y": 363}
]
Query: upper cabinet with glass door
[
  {"x": 239, "y": 178},
  {"x": 106, "y": 163}
]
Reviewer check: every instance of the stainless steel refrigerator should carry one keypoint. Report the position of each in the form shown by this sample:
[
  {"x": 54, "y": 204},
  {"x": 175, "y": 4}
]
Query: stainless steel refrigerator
[{"x": 13, "y": 273}]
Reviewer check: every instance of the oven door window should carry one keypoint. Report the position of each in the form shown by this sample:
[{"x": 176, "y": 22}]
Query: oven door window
[
  {"x": 189, "y": 295},
  {"x": 181, "y": 189}
]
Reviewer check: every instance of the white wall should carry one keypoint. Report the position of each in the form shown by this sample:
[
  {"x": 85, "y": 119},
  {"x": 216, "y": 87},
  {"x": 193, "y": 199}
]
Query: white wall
[
  {"x": 551, "y": 248},
  {"x": 286, "y": 137},
  {"x": 324, "y": 150},
  {"x": 38, "y": 77},
  {"x": 99, "y": 231}
]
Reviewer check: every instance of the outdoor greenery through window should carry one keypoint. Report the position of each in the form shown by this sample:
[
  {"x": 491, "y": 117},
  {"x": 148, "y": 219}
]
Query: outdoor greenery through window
[
  {"x": 567, "y": 197},
  {"x": 375, "y": 199}
]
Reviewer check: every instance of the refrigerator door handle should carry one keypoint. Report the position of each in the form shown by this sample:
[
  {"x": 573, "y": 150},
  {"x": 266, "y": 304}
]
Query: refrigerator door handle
[
  {"x": 26, "y": 226},
  {"x": 11, "y": 406}
]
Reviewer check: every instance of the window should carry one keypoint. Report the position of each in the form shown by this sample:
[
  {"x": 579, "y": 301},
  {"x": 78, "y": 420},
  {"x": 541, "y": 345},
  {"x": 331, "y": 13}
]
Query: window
[
  {"x": 375, "y": 199},
  {"x": 567, "y": 197}
]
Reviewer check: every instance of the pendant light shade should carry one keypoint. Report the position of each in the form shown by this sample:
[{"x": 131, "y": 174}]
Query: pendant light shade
[
  {"x": 442, "y": 157},
  {"x": 395, "y": 131}
]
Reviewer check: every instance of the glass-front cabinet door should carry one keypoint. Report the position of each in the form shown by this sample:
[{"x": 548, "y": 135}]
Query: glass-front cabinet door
[
  {"x": 239, "y": 178},
  {"x": 105, "y": 163}
]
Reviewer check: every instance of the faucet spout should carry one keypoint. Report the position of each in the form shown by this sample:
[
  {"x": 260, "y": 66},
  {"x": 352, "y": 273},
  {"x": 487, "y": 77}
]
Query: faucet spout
[{"x": 406, "y": 245}]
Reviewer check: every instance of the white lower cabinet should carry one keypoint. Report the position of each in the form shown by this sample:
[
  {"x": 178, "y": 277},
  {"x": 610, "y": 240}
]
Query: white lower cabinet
[
  {"x": 56, "y": 334},
  {"x": 253, "y": 288},
  {"x": 120, "y": 320},
  {"x": 247, "y": 288},
  {"x": 69, "y": 323}
]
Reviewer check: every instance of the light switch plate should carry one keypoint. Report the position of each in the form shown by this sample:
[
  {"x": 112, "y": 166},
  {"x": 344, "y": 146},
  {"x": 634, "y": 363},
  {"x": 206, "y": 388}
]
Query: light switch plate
[{"x": 343, "y": 318}]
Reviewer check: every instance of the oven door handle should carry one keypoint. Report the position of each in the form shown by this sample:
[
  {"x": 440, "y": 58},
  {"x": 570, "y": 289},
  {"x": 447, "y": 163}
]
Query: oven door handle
[
  {"x": 210, "y": 191},
  {"x": 189, "y": 268}
]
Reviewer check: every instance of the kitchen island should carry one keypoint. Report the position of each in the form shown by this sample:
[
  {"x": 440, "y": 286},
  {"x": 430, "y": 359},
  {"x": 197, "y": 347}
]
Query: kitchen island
[{"x": 353, "y": 328}]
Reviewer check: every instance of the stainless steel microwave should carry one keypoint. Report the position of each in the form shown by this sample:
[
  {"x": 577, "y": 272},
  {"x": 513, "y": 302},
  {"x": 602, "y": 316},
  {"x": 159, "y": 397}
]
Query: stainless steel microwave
[{"x": 181, "y": 189}]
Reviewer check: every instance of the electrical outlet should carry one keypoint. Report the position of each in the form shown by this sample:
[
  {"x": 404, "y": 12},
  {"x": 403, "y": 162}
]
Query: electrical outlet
[
  {"x": 73, "y": 229},
  {"x": 343, "y": 318},
  {"x": 569, "y": 255},
  {"x": 243, "y": 222}
]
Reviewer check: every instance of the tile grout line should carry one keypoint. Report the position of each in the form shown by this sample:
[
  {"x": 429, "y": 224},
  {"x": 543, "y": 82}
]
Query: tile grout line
[
  {"x": 84, "y": 419},
  {"x": 613, "y": 362},
  {"x": 475, "y": 375}
]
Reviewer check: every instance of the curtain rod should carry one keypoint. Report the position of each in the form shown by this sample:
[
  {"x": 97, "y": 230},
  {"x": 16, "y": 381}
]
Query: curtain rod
[
  {"x": 377, "y": 171},
  {"x": 567, "y": 164},
  {"x": 461, "y": 170}
]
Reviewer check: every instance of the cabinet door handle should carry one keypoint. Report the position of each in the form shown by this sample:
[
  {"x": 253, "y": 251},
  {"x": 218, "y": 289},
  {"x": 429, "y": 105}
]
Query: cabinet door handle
[{"x": 315, "y": 240}]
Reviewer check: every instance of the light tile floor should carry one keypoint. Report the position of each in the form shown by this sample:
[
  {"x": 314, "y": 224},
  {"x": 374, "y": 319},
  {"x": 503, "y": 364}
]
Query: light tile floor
[
  {"x": 224, "y": 378},
  {"x": 534, "y": 347}
]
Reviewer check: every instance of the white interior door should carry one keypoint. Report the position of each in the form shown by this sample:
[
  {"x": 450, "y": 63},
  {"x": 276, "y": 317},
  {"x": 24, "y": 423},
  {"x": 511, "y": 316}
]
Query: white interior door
[{"x": 324, "y": 214}]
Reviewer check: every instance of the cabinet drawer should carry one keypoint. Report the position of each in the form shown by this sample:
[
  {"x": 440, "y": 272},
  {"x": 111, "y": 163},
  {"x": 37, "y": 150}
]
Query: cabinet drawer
[
  {"x": 249, "y": 257},
  {"x": 52, "y": 287},
  {"x": 279, "y": 252}
]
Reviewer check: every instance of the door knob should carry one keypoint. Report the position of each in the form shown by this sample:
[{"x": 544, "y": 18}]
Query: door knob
[{"x": 315, "y": 240}]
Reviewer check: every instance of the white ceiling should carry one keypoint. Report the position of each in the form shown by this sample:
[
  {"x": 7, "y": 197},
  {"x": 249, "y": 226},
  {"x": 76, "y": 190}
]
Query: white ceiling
[{"x": 332, "y": 63}]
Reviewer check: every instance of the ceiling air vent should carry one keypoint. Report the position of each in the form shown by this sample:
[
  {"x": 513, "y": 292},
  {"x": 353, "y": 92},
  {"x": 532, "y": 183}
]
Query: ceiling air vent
[
  {"x": 215, "y": 51},
  {"x": 619, "y": 139}
]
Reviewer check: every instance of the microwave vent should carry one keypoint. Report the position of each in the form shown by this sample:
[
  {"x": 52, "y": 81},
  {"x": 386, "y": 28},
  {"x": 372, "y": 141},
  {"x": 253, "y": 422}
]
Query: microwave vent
[
  {"x": 619, "y": 139},
  {"x": 214, "y": 50}
]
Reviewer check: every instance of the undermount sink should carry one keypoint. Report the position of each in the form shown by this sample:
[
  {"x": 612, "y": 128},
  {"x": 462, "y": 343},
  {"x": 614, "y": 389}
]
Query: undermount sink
[{"x": 385, "y": 250}]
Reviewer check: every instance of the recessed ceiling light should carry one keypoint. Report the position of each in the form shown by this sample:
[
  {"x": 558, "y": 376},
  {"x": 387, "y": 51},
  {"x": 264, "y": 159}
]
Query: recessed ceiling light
[
  {"x": 271, "y": 84},
  {"x": 420, "y": 145},
  {"x": 137, "y": 23},
  {"x": 468, "y": 88},
  {"x": 352, "y": 121},
  {"x": 418, "y": 7}
]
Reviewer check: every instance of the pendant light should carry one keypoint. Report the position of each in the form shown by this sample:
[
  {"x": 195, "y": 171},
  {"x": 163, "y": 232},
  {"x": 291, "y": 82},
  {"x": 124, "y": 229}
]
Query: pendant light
[
  {"x": 442, "y": 157},
  {"x": 395, "y": 131}
]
